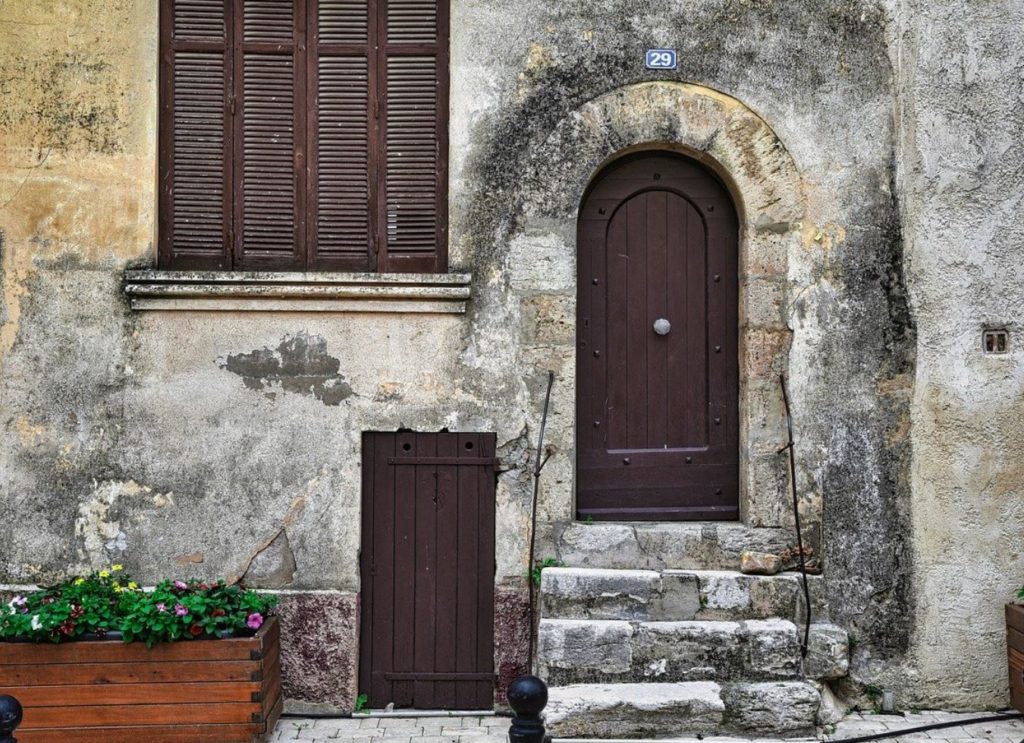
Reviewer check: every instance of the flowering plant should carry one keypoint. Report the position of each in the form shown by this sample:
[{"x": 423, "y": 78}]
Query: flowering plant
[{"x": 110, "y": 601}]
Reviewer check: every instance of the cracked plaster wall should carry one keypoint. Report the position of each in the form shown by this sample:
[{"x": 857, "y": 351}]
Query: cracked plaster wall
[{"x": 179, "y": 442}]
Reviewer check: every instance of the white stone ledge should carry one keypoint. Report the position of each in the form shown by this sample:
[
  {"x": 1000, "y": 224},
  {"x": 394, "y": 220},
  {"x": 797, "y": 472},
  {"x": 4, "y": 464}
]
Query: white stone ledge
[{"x": 210, "y": 291}]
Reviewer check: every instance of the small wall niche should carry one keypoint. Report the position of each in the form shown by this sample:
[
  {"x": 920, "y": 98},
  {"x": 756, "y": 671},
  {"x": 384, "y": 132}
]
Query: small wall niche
[{"x": 995, "y": 341}]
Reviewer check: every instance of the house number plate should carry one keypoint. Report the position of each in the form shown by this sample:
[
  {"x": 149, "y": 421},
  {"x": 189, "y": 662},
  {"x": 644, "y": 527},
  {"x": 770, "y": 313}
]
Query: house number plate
[{"x": 662, "y": 59}]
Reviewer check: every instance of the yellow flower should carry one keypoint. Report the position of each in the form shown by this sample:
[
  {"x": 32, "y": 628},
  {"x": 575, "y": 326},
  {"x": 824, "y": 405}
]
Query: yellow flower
[
  {"x": 104, "y": 573},
  {"x": 118, "y": 589},
  {"x": 79, "y": 581},
  {"x": 117, "y": 568},
  {"x": 132, "y": 585}
]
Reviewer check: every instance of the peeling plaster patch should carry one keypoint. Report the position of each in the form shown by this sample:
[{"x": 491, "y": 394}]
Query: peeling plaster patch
[
  {"x": 99, "y": 522},
  {"x": 273, "y": 566},
  {"x": 11, "y": 290},
  {"x": 3, "y": 298},
  {"x": 288, "y": 521},
  {"x": 70, "y": 102},
  {"x": 388, "y": 392},
  {"x": 29, "y": 433},
  {"x": 300, "y": 364}
]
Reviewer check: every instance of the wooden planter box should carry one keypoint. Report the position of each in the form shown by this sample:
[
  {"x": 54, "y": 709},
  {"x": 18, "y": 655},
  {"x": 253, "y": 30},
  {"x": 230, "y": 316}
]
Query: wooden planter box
[
  {"x": 104, "y": 690},
  {"x": 1015, "y": 650}
]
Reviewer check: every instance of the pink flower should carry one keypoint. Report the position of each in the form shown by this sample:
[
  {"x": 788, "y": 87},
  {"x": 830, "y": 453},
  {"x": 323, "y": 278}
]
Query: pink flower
[
  {"x": 161, "y": 607},
  {"x": 180, "y": 585},
  {"x": 180, "y": 610},
  {"x": 255, "y": 621}
]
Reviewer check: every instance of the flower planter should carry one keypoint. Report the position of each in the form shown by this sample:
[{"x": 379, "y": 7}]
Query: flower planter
[
  {"x": 1015, "y": 651},
  {"x": 105, "y": 690}
]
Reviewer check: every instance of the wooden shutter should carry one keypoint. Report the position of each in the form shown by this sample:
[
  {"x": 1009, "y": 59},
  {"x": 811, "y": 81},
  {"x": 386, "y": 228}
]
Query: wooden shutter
[
  {"x": 195, "y": 135},
  {"x": 413, "y": 174},
  {"x": 269, "y": 135},
  {"x": 341, "y": 71},
  {"x": 304, "y": 134}
]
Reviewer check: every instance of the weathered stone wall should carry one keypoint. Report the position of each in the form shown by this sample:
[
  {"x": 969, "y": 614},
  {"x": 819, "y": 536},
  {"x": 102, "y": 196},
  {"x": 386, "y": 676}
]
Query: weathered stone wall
[
  {"x": 169, "y": 442},
  {"x": 821, "y": 77},
  {"x": 962, "y": 150}
]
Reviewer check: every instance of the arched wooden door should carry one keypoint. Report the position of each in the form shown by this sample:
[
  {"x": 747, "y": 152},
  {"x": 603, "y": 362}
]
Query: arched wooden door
[{"x": 657, "y": 358}]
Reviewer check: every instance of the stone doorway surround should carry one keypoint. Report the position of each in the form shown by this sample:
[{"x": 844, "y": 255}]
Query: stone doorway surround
[{"x": 763, "y": 179}]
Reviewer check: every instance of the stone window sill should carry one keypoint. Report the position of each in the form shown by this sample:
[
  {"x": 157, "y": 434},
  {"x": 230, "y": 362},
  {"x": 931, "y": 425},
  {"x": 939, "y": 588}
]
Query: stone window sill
[{"x": 297, "y": 292}]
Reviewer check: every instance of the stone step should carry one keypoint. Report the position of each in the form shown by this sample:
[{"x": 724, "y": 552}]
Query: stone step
[
  {"x": 665, "y": 545},
  {"x": 675, "y": 595},
  {"x": 573, "y": 651},
  {"x": 660, "y": 710}
]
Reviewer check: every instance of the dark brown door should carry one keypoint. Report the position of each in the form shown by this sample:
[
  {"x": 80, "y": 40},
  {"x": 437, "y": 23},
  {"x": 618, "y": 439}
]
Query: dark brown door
[
  {"x": 427, "y": 567},
  {"x": 657, "y": 366}
]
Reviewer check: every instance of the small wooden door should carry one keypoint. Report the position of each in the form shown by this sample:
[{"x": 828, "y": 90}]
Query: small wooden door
[
  {"x": 427, "y": 566},
  {"x": 657, "y": 366}
]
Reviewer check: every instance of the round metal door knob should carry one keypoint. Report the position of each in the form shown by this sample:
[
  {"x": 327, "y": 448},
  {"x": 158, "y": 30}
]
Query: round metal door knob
[{"x": 662, "y": 326}]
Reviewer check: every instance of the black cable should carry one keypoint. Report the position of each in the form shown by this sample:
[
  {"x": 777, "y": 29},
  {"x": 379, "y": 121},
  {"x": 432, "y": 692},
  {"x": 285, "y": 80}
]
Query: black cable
[
  {"x": 796, "y": 515},
  {"x": 931, "y": 726},
  {"x": 319, "y": 716}
]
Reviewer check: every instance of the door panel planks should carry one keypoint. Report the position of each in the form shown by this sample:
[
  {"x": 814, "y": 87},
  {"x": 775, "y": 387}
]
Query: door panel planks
[
  {"x": 657, "y": 410},
  {"x": 428, "y": 570}
]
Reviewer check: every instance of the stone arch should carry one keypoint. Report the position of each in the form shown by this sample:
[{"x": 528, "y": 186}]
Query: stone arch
[{"x": 765, "y": 184}]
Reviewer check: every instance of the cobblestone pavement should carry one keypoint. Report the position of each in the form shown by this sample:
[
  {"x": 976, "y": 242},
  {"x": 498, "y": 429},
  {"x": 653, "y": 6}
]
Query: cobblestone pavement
[
  {"x": 480, "y": 729},
  {"x": 1004, "y": 731},
  {"x": 472, "y": 729}
]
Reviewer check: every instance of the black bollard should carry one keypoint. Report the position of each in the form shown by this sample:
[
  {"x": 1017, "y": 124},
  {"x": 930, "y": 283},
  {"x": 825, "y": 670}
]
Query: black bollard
[
  {"x": 10, "y": 718},
  {"x": 527, "y": 696}
]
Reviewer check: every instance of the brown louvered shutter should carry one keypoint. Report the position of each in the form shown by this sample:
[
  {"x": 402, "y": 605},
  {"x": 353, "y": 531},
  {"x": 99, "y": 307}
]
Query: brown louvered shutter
[
  {"x": 304, "y": 135},
  {"x": 413, "y": 175},
  {"x": 195, "y": 136},
  {"x": 269, "y": 135},
  {"x": 341, "y": 69}
]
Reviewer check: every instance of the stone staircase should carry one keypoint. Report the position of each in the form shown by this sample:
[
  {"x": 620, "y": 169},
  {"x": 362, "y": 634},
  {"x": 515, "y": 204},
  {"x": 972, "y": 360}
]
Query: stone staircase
[{"x": 659, "y": 653}]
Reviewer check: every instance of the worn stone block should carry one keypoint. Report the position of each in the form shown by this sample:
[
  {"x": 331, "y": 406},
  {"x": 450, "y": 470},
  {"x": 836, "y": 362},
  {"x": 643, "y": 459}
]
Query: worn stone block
[
  {"x": 771, "y": 708},
  {"x": 677, "y": 598},
  {"x": 759, "y": 563},
  {"x": 733, "y": 596},
  {"x": 773, "y": 648},
  {"x": 512, "y": 630},
  {"x": 764, "y": 352},
  {"x": 602, "y": 546},
  {"x": 833, "y": 709},
  {"x": 319, "y": 650},
  {"x": 828, "y": 652},
  {"x": 688, "y": 651},
  {"x": 551, "y": 317},
  {"x": 633, "y": 710},
  {"x": 598, "y": 594},
  {"x": 542, "y": 263},
  {"x": 764, "y": 303},
  {"x": 583, "y": 649},
  {"x": 769, "y": 502},
  {"x": 764, "y": 414}
]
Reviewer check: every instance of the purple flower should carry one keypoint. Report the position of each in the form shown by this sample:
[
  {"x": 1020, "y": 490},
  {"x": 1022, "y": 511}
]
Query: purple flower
[
  {"x": 180, "y": 610},
  {"x": 180, "y": 585},
  {"x": 255, "y": 621},
  {"x": 161, "y": 607},
  {"x": 19, "y": 601}
]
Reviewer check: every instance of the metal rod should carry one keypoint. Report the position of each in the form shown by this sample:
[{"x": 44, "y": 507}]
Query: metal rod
[
  {"x": 789, "y": 447},
  {"x": 537, "y": 469}
]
